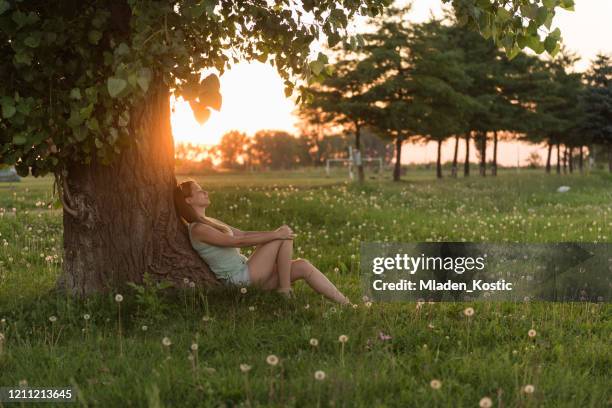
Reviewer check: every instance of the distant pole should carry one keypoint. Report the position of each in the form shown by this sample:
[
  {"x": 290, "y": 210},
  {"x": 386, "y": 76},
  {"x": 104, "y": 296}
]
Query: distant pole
[{"x": 351, "y": 162}]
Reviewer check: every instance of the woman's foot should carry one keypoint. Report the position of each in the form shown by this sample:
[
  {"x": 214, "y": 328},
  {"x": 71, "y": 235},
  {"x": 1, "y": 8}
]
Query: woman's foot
[{"x": 286, "y": 292}]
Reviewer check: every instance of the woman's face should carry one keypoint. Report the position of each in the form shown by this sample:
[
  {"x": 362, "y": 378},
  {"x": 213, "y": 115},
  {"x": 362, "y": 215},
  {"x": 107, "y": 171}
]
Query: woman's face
[{"x": 199, "y": 197}]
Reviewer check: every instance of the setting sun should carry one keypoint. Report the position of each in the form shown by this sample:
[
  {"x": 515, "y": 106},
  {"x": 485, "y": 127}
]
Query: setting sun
[{"x": 253, "y": 99}]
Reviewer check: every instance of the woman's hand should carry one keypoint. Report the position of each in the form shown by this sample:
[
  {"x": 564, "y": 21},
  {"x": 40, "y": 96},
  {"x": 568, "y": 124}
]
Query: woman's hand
[{"x": 284, "y": 232}]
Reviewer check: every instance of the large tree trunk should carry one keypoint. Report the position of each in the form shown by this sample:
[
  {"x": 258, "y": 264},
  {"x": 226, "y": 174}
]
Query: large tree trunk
[
  {"x": 397, "y": 169},
  {"x": 466, "y": 164},
  {"x": 565, "y": 160},
  {"x": 359, "y": 158},
  {"x": 120, "y": 220},
  {"x": 454, "y": 168},
  {"x": 483, "y": 154},
  {"x": 571, "y": 160},
  {"x": 494, "y": 164},
  {"x": 558, "y": 158},
  {"x": 550, "y": 146},
  {"x": 439, "y": 160},
  {"x": 581, "y": 160}
]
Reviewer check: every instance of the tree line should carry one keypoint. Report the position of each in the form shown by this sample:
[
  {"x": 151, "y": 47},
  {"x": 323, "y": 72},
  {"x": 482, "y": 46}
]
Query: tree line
[
  {"x": 274, "y": 150},
  {"x": 439, "y": 81}
]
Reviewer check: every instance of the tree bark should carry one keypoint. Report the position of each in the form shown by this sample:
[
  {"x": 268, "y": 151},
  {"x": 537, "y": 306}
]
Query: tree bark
[
  {"x": 494, "y": 165},
  {"x": 558, "y": 158},
  {"x": 397, "y": 169},
  {"x": 581, "y": 160},
  {"x": 565, "y": 160},
  {"x": 120, "y": 219},
  {"x": 454, "y": 168},
  {"x": 571, "y": 160},
  {"x": 466, "y": 164},
  {"x": 439, "y": 160},
  {"x": 550, "y": 146},
  {"x": 483, "y": 154},
  {"x": 360, "y": 174}
]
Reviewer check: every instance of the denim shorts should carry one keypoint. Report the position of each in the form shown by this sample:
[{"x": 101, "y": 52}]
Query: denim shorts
[{"x": 240, "y": 278}]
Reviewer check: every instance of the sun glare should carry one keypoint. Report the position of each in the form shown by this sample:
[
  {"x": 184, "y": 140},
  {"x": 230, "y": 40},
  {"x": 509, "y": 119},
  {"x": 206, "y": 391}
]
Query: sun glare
[{"x": 253, "y": 99}]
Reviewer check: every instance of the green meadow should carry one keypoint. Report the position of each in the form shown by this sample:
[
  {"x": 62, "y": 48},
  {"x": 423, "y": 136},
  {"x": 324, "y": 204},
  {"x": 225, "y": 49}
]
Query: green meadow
[{"x": 223, "y": 347}]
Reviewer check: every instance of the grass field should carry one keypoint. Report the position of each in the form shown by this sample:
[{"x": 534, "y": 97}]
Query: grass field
[{"x": 396, "y": 355}]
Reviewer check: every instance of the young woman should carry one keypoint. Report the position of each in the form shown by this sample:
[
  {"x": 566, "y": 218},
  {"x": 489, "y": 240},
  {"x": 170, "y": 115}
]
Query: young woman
[{"x": 270, "y": 267}]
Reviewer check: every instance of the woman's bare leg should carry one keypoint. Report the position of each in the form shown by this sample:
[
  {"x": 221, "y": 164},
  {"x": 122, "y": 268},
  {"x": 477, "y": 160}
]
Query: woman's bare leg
[
  {"x": 319, "y": 282},
  {"x": 302, "y": 269},
  {"x": 283, "y": 262},
  {"x": 262, "y": 262}
]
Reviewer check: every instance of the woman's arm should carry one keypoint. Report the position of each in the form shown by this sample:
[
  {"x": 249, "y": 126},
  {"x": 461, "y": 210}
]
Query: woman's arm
[
  {"x": 211, "y": 236},
  {"x": 238, "y": 232}
]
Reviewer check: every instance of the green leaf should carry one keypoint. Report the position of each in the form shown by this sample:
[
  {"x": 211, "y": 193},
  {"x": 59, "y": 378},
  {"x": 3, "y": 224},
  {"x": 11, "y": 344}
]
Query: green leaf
[
  {"x": 4, "y": 5},
  {"x": 556, "y": 33},
  {"x": 8, "y": 108},
  {"x": 550, "y": 3},
  {"x": 19, "y": 139},
  {"x": 541, "y": 15},
  {"x": 75, "y": 94},
  {"x": 23, "y": 58},
  {"x": 556, "y": 50},
  {"x": 503, "y": 15},
  {"x": 316, "y": 67},
  {"x": 33, "y": 40},
  {"x": 122, "y": 49},
  {"x": 94, "y": 36},
  {"x": 200, "y": 111},
  {"x": 567, "y": 4},
  {"x": 144, "y": 79},
  {"x": 550, "y": 43},
  {"x": 115, "y": 86}
]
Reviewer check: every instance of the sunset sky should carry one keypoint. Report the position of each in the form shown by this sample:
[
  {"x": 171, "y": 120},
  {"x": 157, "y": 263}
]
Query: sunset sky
[{"x": 253, "y": 96}]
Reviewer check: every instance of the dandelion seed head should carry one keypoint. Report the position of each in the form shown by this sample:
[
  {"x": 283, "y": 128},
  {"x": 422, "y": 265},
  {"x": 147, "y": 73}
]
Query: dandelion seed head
[
  {"x": 118, "y": 298},
  {"x": 166, "y": 341},
  {"x": 86, "y": 316},
  {"x": 469, "y": 311},
  {"x": 194, "y": 346},
  {"x": 435, "y": 384},
  {"x": 272, "y": 360},
  {"x": 319, "y": 375},
  {"x": 314, "y": 342},
  {"x": 531, "y": 333},
  {"x": 245, "y": 368},
  {"x": 343, "y": 338},
  {"x": 528, "y": 389},
  {"x": 144, "y": 328},
  {"x": 243, "y": 290},
  {"x": 485, "y": 402},
  {"x": 52, "y": 319}
]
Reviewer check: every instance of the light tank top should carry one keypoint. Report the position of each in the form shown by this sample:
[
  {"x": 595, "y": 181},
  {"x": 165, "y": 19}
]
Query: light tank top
[{"x": 223, "y": 261}]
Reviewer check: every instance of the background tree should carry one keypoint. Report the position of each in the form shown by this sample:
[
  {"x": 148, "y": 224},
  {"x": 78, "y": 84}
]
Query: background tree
[
  {"x": 274, "y": 149},
  {"x": 234, "y": 149},
  {"x": 441, "y": 106},
  {"x": 386, "y": 57},
  {"x": 596, "y": 125}
]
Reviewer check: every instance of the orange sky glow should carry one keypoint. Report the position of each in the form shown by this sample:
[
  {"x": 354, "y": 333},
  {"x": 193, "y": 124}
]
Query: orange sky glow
[{"x": 253, "y": 96}]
